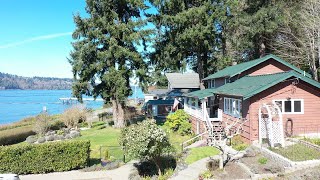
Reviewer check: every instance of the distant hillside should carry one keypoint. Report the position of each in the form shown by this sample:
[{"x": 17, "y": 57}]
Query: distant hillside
[{"x": 9, "y": 81}]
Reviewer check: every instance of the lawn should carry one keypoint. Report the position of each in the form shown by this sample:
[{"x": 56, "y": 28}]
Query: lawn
[
  {"x": 109, "y": 137},
  {"x": 102, "y": 137},
  {"x": 298, "y": 152},
  {"x": 200, "y": 153}
]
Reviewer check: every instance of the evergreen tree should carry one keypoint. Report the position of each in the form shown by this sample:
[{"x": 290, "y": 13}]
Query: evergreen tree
[
  {"x": 105, "y": 56},
  {"x": 187, "y": 35}
]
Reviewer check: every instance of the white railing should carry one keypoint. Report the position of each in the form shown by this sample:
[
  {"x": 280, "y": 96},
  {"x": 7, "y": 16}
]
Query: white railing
[
  {"x": 199, "y": 137},
  {"x": 193, "y": 111}
]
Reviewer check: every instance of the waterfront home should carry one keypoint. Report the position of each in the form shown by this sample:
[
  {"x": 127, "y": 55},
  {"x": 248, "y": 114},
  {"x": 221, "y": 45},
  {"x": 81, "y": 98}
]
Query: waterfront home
[
  {"x": 269, "y": 97},
  {"x": 179, "y": 84}
]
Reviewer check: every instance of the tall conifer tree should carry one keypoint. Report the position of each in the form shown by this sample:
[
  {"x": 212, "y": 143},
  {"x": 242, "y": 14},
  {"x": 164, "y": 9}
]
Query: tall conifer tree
[{"x": 105, "y": 56}]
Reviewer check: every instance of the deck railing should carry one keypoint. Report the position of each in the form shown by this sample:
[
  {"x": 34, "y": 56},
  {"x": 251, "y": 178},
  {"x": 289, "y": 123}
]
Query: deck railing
[
  {"x": 198, "y": 113},
  {"x": 194, "y": 111}
]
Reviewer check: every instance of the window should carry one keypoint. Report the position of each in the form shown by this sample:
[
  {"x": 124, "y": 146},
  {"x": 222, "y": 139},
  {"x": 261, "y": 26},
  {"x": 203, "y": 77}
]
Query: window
[
  {"x": 233, "y": 107},
  {"x": 292, "y": 106},
  {"x": 211, "y": 83}
]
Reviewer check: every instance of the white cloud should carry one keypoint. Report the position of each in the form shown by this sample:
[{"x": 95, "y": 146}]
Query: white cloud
[{"x": 38, "y": 38}]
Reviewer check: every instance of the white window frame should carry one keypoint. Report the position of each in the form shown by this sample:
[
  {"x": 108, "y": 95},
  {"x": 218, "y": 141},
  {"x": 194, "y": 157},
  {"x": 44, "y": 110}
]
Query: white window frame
[
  {"x": 231, "y": 109},
  {"x": 292, "y": 105}
]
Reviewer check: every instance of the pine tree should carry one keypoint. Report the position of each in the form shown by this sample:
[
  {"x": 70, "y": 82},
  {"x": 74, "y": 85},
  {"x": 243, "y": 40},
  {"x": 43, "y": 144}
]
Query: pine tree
[
  {"x": 187, "y": 35},
  {"x": 105, "y": 54}
]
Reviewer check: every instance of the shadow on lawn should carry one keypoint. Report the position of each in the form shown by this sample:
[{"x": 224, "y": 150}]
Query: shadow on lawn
[
  {"x": 94, "y": 161},
  {"x": 148, "y": 168}
]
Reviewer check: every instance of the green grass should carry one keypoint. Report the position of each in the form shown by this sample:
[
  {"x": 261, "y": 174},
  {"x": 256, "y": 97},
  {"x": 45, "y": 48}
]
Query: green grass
[
  {"x": 200, "y": 153},
  {"x": 298, "y": 152},
  {"x": 102, "y": 137},
  {"x": 315, "y": 141}
]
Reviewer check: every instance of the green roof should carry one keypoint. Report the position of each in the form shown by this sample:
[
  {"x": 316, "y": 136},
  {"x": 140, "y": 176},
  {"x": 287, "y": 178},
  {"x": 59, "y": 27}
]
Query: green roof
[
  {"x": 237, "y": 69},
  {"x": 200, "y": 94},
  {"x": 249, "y": 86}
]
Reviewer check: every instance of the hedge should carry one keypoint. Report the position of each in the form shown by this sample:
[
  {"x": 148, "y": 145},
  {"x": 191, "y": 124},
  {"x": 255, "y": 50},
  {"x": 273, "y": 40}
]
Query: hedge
[{"x": 43, "y": 158}]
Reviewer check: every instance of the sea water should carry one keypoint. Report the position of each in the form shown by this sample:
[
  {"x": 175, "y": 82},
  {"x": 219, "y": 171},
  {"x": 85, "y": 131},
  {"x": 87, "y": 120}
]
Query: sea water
[{"x": 18, "y": 104}]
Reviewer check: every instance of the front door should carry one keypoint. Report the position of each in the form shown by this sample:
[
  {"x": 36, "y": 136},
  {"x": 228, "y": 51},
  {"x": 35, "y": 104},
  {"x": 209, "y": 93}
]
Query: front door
[{"x": 213, "y": 107}]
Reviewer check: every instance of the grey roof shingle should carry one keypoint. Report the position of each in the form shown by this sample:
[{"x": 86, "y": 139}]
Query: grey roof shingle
[{"x": 183, "y": 80}]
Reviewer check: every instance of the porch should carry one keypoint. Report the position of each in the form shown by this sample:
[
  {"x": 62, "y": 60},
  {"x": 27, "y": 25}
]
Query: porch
[{"x": 206, "y": 109}]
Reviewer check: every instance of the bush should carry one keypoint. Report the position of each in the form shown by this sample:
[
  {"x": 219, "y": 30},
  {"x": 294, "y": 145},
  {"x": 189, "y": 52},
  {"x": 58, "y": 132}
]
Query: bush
[
  {"x": 263, "y": 160},
  {"x": 14, "y": 136},
  {"x": 238, "y": 144},
  {"x": 145, "y": 140},
  {"x": 106, "y": 154},
  {"x": 179, "y": 121},
  {"x": 72, "y": 116},
  {"x": 41, "y": 125},
  {"x": 43, "y": 158}
]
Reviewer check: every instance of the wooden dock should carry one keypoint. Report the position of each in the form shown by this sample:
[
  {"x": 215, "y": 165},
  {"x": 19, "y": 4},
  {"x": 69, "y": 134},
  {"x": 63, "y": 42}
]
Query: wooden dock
[{"x": 71, "y": 100}]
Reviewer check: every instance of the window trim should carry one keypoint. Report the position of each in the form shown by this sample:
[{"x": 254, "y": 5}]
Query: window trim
[
  {"x": 292, "y": 105},
  {"x": 230, "y": 106}
]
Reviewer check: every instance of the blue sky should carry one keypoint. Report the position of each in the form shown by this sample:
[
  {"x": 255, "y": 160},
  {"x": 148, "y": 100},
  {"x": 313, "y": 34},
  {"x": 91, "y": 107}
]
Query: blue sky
[{"x": 35, "y": 36}]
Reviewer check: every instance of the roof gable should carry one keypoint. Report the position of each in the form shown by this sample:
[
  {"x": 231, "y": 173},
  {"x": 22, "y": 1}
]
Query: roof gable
[
  {"x": 239, "y": 68},
  {"x": 183, "y": 81},
  {"x": 248, "y": 86}
]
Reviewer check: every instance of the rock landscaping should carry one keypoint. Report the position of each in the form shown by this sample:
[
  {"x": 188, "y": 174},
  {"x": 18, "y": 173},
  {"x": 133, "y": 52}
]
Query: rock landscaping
[{"x": 58, "y": 135}]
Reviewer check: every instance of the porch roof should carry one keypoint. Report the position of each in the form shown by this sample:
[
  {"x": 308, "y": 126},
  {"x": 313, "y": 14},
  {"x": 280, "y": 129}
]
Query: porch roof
[
  {"x": 239, "y": 68},
  {"x": 249, "y": 86},
  {"x": 201, "y": 94}
]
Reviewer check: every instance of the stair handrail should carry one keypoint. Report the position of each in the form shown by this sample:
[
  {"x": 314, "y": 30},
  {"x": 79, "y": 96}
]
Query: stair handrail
[{"x": 189, "y": 140}]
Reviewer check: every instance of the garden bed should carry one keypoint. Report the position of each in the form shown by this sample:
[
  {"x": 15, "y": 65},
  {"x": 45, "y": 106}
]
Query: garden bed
[
  {"x": 231, "y": 171},
  {"x": 260, "y": 164},
  {"x": 298, "y": 152}
]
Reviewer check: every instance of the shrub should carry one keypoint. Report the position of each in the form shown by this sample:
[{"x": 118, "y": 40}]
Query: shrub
[
  {"x": 43, "y": 158},
  {"x": 179, "y": 121},
  {"x": 166, "y": 175},
  {"x": 206, "y": 175},
  {"x": 13, "y": 136},
  {"x": 263, "y": 160},
  {"x": 72, "y": 116},
  {"x": 106, "y": 154},
  {"x": 145, "y": 140},
  {"x": 238, "y": 144},
  {"x": 41, "y": 124}
]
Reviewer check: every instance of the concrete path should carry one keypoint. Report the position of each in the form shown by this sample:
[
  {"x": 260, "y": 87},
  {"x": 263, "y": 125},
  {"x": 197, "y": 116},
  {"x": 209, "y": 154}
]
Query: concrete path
[
  {"x": 121, "y": 173},
  {"x": 192, "y": 171}
]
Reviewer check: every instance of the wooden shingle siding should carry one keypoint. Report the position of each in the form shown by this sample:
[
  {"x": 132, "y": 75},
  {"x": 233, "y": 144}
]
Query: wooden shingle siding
[
  {"x": 268, "y": 67},
  {"x": 308, "y": 122}
]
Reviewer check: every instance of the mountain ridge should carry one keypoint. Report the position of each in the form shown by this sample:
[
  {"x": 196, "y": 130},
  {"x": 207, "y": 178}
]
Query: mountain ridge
[{"x": 11, "y": 81}]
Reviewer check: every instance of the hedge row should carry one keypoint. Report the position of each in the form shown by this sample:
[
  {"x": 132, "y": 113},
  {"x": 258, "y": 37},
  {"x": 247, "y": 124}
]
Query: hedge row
[{"x": 43, "y": 158}]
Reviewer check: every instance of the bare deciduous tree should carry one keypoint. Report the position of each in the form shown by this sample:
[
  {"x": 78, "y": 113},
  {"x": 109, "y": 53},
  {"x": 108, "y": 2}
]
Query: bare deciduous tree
[{"x": 299, "y": 39}]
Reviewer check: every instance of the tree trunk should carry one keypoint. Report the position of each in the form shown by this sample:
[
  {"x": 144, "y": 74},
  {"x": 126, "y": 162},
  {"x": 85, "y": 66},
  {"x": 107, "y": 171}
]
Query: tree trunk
[
  {"x": 156, "y": 162},
  {"x": 121, "y": 121},
  {"x": 200, "y": 66},
  {"x": 114, "y": 110}
]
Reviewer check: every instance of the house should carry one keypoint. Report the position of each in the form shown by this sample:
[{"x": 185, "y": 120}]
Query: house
[
  {"x": 160, "y": 101},
  {"x": 271, "y": 97},
  {"x": 155, "y": 94}
]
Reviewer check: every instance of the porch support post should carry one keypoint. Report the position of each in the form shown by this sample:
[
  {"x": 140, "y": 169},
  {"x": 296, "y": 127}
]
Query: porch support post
[{"x": 204, "y": 109}]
